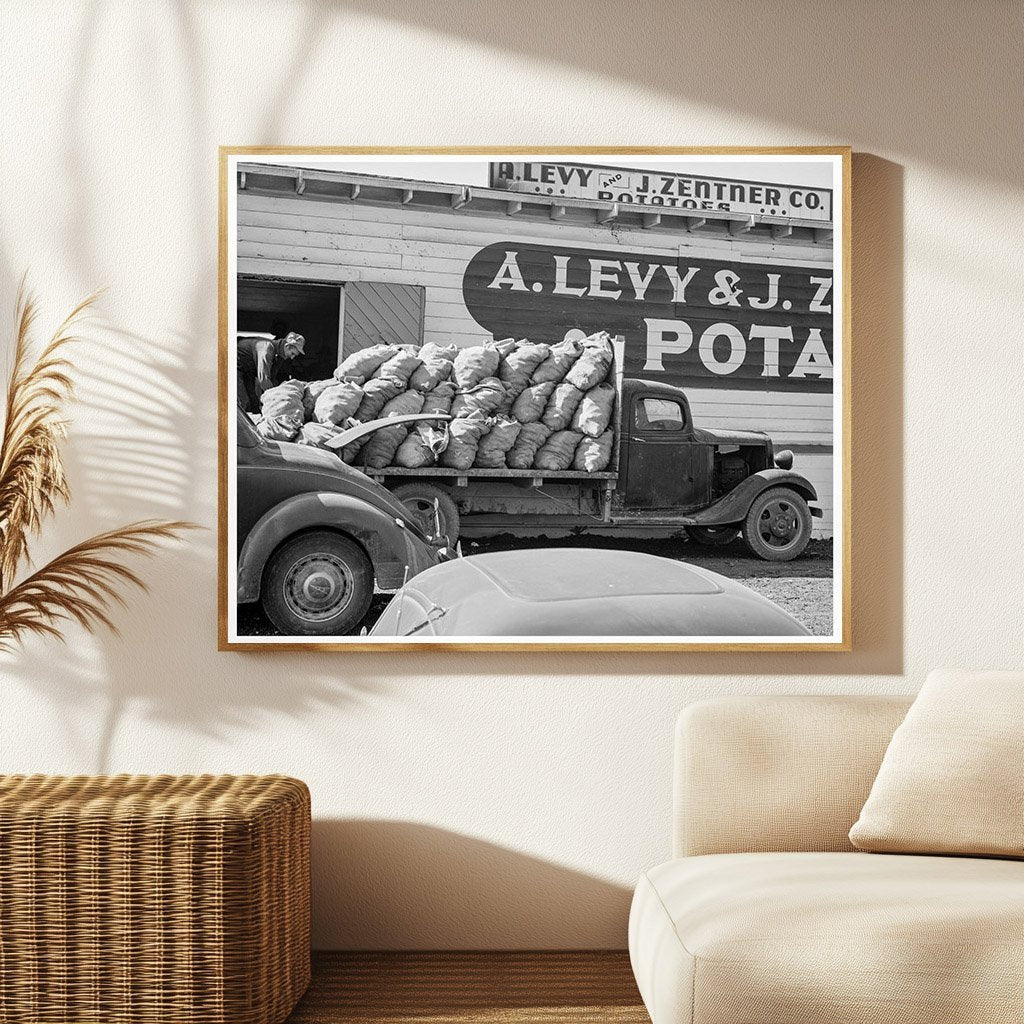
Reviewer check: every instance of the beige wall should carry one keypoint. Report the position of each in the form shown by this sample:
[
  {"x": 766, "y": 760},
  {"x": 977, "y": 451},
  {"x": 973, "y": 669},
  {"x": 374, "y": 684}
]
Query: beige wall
[{"x": 481, "y": 800}]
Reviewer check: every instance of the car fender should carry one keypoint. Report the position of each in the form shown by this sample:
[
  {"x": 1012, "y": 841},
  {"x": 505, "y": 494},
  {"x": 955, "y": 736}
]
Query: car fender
[
  {"x": 390, "y": 547},
  {"x": 734, "y": 506}
]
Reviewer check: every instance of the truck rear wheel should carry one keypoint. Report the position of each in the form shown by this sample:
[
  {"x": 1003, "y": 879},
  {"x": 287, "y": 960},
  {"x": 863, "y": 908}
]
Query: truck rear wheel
[
  {"x": 778, "y": 525},
  {"x": 317, "y": 584},
  {"x": 712, "y": 536},
  {"x": 419, "y": 500}
]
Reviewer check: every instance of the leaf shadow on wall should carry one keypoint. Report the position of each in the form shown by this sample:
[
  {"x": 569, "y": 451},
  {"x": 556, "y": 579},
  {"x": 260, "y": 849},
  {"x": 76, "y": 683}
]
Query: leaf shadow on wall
[
  {"x": 136, "y": 454},
  {"x": 406, "y": 885},
  {"x": 143, "y": 441}
]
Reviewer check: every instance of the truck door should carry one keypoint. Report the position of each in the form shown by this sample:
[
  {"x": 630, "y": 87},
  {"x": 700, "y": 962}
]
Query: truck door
[{"x": 660, "y": 457}]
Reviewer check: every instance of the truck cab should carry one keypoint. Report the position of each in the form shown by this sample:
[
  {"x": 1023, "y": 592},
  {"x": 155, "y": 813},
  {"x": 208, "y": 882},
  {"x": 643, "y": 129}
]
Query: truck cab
[
  {"x": 711, "y": 479},
  {"x": 668, "y": 462}
]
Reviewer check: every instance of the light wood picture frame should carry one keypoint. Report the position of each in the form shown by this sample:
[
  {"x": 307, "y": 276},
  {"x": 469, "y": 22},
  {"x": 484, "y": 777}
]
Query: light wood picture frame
[{"x": 709, "y": 288}]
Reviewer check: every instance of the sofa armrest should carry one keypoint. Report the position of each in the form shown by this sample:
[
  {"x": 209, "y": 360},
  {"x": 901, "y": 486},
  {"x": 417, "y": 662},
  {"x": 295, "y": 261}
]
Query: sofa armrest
[{"x": 759, "y": 774}]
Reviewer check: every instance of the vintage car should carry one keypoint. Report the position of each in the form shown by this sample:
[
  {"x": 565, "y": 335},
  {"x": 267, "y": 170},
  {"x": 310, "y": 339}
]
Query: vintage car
[
  {"x": 315, "y": 535},
  {"x": 577, "y": 592}
]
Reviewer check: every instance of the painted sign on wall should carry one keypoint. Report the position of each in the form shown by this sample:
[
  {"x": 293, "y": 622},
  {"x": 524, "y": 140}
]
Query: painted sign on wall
[
  {"x": 689, "y": 321},
  {"x": 666, "y": 190}
]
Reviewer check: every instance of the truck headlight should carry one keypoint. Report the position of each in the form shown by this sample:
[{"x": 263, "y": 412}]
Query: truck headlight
[{"x": 784, "y": 459}]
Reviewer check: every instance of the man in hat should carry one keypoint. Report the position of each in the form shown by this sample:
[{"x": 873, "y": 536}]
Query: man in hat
[{"x": 260, "y": 364}]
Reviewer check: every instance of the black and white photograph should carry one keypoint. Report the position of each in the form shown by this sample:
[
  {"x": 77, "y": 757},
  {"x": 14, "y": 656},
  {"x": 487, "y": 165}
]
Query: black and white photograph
[{"x": 586, "y": 398}]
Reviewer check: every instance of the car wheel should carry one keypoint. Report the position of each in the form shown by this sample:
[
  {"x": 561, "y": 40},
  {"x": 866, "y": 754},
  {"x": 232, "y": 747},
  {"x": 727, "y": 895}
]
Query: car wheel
[
  {"x": 712, "y": 536},
  {"x": 317, "y": 584},
  {"x": 778, "y": 525},
  {"x": 419, "y": 500}
]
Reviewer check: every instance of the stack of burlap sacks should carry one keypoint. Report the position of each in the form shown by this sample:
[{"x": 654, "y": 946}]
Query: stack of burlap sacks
[{"x": 515, "y": 404}]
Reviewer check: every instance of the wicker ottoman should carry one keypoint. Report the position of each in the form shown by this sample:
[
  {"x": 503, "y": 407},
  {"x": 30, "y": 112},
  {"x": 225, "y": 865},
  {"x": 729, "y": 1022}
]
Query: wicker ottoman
[{"x": 131, "y": 899}]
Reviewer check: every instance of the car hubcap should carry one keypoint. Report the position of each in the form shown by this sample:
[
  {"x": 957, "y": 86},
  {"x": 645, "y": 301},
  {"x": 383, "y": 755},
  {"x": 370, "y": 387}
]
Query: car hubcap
[
  {"x": 778, "y": 524},
  {"x": 318, "y": 587}
]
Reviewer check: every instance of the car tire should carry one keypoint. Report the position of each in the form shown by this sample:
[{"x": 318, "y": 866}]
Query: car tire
[
  {"x": 317, "y": 584},
  {"x": 712, "y": 536},
  {"x": 778, "y": 526},
  {"x": 419, "y": 500}
]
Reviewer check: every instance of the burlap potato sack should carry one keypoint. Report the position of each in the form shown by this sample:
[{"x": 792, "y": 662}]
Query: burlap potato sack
[
  {"x": 593, "y": 364},
  {"x": 285, "y": 399},
  {"x": 350, "y": 452},
  {"x": 494, "y": 445},
  {"x": 379, "y": 450},
  {"x": 505, "y": 346},
  {"x": 315, "y": 434},
  {"x": 463, "y": 439},
  {"x": 594, "y": 453},
  {"x": 530, "y": 405},
  {"x": 364, "y": 362},
  {"x": 436, "y": 364},
  {"x": 440, "y": 399},
  {"x": 472, "y": 365},
  {"x": 285, "y": 427},
  {"x": 594, "y": 412},
  {"x": 376, "y": 394},
  {"x": 517, "y": 367},
  {"x": 313, "y": 390},
  {"x": 400, "y": 366},
  {"x": 483, "y": 398},
  {"x": 337, "y": 403},
  {"x": 561, "y": 406},
  {"x": 558, "y": 450},
  {"x": 558, "y": 363},
  {"x": 408, "y": 403},
  {"x": 421, "y": 447},
  {"x": 527, "y": 444}
]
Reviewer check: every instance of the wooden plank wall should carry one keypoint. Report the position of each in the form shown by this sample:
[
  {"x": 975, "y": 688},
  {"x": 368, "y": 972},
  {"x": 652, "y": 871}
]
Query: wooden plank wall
[
  {"x": 340, "y": 242},
  {"x": 377, "y": 313}
]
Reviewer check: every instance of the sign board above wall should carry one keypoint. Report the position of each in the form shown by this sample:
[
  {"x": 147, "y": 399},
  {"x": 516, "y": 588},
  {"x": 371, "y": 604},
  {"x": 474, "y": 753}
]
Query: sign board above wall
[{"x": 663, "y": 189}]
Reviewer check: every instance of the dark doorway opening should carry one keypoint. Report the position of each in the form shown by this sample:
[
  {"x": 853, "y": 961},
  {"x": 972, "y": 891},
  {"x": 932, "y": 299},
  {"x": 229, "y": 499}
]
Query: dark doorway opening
[{"x": 313, "y": 310}]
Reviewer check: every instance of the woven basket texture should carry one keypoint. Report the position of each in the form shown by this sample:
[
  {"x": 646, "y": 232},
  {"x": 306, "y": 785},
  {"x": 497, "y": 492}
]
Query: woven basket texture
[{"x": 142, "y": 899}]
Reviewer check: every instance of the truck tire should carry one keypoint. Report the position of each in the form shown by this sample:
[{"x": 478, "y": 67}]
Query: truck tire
[
  {"x": 419, "y": 500},
  {"x": 319, "y": 583},
  {"x": 712, "y": 536},
  {"x": 778, "y": 525}
]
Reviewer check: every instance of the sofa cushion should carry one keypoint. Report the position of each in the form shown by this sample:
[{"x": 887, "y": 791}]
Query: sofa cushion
[
  {"x": 950, "y": 780},
  {"x": 833, "y": 938}
]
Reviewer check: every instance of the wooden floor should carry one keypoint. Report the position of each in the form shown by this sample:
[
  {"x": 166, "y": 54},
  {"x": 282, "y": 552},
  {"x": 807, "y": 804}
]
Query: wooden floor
[{"x": 465, "y": 988}]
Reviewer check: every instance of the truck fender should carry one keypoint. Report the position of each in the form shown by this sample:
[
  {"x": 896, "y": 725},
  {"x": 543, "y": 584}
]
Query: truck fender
[
  {"x": 379, "y": 534},
  {"x": 734, "y": 506}
]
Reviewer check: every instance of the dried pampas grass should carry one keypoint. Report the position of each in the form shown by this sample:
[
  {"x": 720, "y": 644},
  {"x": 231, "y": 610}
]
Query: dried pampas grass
[{"x": 83, "y": 583}]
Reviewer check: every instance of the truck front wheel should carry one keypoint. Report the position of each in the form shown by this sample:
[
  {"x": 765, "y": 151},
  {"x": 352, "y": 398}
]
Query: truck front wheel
[
  {"x": 419, "y": 500},
  {"x": 778, "y": 525},
  {"x": 317, "y": 584}
]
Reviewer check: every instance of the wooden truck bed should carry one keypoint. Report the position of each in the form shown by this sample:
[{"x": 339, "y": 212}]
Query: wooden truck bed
[{"x": 486, "y": 474}]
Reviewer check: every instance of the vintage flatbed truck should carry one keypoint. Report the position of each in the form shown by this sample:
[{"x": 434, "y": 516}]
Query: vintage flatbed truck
[{"x": 667, "y": 475}]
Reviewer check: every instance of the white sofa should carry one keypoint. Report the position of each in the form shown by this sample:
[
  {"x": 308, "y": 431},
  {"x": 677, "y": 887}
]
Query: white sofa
[{"x": 768, "y": 915}]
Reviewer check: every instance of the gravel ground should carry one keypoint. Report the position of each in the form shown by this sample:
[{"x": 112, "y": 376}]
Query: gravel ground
[
  {"x": 808, "y": 600},
  {"x": 802, "y": 587}
]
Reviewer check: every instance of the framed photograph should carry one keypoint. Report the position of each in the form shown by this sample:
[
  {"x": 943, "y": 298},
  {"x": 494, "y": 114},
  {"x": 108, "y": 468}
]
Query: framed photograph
[{"x": 509, "y": 399}]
